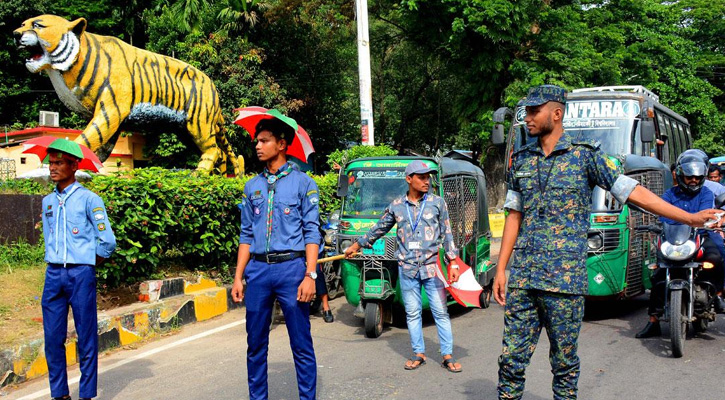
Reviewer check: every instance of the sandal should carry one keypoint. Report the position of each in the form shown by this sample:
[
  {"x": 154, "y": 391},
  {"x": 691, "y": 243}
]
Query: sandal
[
  {"x": 450, "y": 365},
  {"x": 413, "y": 365}
]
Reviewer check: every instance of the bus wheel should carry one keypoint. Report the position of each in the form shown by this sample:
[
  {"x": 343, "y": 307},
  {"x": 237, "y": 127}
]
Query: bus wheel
[{"x": 373, "y": 319}]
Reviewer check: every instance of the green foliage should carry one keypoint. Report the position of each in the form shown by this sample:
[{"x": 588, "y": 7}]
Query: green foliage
[
  {"x": 327, "y": 187},
  {"x": 340, "y": 157},
  {"x": 25, "y": 186},
  {"x": 165, "y": 218},
  {"x": 20, "y": 255}
]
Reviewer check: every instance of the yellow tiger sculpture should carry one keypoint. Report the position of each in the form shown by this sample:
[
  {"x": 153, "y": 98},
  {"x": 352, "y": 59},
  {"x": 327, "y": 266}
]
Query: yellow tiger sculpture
[{"x": 117, "y": 85}]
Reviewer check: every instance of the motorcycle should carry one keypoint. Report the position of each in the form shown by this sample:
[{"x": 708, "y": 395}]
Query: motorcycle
[{"x": 689, "y": 294}]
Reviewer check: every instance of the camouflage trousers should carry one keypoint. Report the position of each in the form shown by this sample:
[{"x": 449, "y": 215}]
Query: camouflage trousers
[{"x": 527, "y": 311}]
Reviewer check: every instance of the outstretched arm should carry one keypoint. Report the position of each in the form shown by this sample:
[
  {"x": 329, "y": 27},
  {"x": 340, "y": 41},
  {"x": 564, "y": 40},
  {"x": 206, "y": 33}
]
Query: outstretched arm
[{"x": 649, "y": 201}]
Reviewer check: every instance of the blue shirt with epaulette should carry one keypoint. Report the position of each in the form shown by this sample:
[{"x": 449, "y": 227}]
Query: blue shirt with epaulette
[
  {"x": 295, "y": 218},
  {"x": 76, "y": 228},
  {"x": 554, "y": 194}
]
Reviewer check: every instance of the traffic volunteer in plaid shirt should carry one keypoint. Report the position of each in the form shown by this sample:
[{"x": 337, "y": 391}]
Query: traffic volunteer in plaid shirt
[{"x": 423, "y": 223}]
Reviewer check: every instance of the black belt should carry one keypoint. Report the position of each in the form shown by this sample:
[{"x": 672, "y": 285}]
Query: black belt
[{"x": 273, "y": 258}]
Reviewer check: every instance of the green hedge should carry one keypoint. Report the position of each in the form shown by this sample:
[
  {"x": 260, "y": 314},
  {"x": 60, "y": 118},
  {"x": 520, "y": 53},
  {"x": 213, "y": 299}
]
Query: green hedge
[
  {"x": 170, "y": 219},
  {"x": 165, "y": 218}
]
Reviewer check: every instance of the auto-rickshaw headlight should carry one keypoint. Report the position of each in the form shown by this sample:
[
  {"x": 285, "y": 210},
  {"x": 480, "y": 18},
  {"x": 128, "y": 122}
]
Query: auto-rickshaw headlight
[{"x": 345, "y": 244}]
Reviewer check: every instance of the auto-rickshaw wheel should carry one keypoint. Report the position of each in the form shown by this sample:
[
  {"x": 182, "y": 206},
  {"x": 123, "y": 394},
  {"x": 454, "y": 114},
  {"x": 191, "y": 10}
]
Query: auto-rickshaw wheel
[
  {"x": 373, "y": 319},
  {"x": 485, "y": 297}
]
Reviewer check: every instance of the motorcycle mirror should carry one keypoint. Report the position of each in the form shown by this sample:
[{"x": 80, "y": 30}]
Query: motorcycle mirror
[{"x": 720, "y": 201}]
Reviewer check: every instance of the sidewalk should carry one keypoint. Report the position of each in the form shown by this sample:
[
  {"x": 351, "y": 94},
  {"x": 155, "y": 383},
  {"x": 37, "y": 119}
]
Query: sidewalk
[{"x": 167, "y": 304}]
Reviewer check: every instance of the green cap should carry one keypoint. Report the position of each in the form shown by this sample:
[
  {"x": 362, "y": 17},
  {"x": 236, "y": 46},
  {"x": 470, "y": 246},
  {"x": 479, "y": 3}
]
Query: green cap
[
  {"x": 539, "y": 95},
  {"x": 67, "y": 147}
]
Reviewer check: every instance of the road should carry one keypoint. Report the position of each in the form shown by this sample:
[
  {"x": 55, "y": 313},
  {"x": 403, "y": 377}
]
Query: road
[{"x": 207, "y": 361}]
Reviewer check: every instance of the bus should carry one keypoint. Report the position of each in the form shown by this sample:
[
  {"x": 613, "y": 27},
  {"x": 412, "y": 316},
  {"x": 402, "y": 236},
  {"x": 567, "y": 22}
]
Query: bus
[{"x": 639, "y": 134}]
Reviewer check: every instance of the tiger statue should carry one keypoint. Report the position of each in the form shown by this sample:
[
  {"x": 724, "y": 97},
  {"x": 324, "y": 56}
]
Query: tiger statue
[{"x": 117, "y": 85}]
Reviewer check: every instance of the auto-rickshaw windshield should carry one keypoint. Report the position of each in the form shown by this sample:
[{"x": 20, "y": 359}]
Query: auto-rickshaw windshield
[{"x": 371, "y": 190}]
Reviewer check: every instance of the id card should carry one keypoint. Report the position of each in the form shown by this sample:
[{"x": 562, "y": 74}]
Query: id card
[{"x": 414, "y": 245}]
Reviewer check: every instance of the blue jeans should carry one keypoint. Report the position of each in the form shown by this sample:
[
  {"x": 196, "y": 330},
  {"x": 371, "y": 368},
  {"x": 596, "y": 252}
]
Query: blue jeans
[{"x": 412, "y": 298}]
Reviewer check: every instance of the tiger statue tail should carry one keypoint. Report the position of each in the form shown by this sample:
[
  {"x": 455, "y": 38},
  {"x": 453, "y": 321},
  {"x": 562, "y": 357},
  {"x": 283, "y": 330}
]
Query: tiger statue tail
[{"x": 228, "y": 152}]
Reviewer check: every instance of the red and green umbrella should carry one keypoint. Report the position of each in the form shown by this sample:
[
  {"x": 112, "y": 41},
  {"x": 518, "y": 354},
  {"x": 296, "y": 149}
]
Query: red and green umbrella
[
  {"x": 43, "y": 145},
  {"x": 248, "y": 118}
]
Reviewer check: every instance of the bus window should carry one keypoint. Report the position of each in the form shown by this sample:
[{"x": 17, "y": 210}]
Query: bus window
[
  {"x": 670, "y": 136},
  {"x": 638, "y": 147},
  {"x": 680, "y": 137},
  {"x": 675, "y": 142},
  {"x": 688, "y": 136}
]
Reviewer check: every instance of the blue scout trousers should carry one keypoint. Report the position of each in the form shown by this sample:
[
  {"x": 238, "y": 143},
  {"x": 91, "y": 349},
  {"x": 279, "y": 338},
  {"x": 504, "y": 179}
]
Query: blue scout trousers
[
  {"x": 265, "y": 282},
  {"x": 74, "y": 286},
  {"x": 527, "y": 311}
]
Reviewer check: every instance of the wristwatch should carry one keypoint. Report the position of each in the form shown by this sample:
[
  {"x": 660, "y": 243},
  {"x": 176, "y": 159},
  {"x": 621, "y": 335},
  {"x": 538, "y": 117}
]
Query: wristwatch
[
  {"x": 312, "y": 275},
  {"x": 454, "y": 265}
]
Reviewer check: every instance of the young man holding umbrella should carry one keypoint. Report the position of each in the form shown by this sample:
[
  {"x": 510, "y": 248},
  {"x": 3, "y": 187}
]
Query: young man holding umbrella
[
  {"x": 78, "y": 237},
  {"x": 278, "y": 249}
]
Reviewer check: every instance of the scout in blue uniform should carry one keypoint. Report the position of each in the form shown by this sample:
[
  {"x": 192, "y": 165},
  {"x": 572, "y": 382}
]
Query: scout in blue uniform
[
  {"x": 78, "y": 237},
  {"x": 548, "y": 203},
  {"x": 278, "y": 248}
]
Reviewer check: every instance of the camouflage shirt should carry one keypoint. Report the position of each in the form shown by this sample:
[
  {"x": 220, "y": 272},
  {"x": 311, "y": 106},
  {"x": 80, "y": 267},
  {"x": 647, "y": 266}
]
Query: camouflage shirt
[
  {"x": 554, "y": 195},
  {"x": 417, "y": 250}
]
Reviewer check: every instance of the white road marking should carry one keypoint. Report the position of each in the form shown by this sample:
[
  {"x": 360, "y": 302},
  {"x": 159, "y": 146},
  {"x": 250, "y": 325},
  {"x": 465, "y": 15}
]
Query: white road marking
[{"x": 73, "y": 381}]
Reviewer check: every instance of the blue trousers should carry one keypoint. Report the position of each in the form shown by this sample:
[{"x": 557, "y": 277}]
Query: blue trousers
[
  {"x": 265, "y": 282},
  {"x": 74, "y": 286}
]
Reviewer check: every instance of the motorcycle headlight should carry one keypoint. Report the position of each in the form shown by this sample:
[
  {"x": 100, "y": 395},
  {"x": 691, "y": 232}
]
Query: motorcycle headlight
[
  {"x": 678, "y": 252},
  {"x": 595, "y": 241}
]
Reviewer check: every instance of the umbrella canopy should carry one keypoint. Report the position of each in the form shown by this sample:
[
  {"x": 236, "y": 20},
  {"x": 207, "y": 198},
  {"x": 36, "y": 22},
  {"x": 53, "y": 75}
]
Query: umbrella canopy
[
  {"x": 248, "y": 118},
  {"x": 41, "y": 146}
]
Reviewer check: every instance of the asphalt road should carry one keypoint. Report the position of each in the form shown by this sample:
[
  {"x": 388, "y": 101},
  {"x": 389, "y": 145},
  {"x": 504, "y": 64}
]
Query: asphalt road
[
  {"x": 207, "y": 361},
  {"x": 615, "y": 365}
]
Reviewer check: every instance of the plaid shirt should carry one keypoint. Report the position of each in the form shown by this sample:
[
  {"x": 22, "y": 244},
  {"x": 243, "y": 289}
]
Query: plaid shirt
[{"x": 433, "y": 229}]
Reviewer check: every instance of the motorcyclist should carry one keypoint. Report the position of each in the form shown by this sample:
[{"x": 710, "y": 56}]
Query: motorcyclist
[{"x": 690, "y": 195}]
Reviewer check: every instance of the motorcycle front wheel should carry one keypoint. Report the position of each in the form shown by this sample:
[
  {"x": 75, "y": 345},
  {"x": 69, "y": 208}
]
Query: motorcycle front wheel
[{"x": 678, "y": 323}]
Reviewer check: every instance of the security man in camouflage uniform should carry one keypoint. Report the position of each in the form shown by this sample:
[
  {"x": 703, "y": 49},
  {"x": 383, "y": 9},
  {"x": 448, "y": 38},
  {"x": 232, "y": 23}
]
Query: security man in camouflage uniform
[{"x": 548, "y": 203}]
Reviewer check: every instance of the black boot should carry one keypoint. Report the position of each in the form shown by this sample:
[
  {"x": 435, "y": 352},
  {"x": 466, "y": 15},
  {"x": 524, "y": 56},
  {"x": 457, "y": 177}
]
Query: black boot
[
  {"x": 719, "y": 304},
  {"x": 652, "y": 329},
  {"x": 327, "y": 316}
]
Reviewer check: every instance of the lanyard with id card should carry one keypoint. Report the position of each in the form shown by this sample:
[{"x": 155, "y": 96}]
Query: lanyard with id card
[{"x": 416, "y": 245}]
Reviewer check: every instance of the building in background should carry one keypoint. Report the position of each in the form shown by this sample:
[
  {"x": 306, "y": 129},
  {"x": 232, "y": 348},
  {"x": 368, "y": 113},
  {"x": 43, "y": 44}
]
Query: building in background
[{"x": 126, "y": 155}]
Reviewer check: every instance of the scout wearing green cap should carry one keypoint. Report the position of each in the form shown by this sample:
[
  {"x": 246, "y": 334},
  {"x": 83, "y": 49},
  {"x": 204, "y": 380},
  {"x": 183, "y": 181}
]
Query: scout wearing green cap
[{"x": 539, "y": 95}]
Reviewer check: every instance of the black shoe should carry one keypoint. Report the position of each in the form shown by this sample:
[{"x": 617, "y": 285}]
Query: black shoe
[
  {"x": 652, "y": 329},
  {"x": 327, "y": 316},
  {"x": 61, "y": 398},
  {"x": 719, "y": 304}
]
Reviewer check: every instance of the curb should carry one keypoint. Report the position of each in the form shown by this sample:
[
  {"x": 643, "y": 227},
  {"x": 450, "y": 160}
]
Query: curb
[{"x": 178, "y": 302}]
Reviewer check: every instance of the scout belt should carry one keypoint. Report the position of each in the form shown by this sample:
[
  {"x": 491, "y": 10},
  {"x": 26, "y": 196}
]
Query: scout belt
[{"x": 273, "y": 258}]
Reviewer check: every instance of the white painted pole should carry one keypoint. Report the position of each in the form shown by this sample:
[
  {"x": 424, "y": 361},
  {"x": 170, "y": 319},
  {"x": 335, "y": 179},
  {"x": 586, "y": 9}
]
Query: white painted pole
[{"x": 363, "y": 57}]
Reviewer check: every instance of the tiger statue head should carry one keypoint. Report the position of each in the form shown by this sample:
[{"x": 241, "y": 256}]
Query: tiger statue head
[{"x": 52, "y": 41}]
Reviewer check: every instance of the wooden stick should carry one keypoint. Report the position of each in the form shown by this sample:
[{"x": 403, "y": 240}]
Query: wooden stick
[{"x": 334, "y": 258}]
